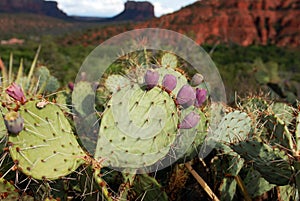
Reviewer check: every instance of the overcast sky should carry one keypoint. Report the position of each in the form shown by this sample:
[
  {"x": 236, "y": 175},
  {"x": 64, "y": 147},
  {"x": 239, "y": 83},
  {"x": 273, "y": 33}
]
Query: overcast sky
[{"x": 110, "y": 8}]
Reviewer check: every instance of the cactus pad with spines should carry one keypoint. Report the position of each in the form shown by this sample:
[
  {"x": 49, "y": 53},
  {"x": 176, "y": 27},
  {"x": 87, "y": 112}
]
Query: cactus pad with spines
[
  {"x": 137, "y": 128},
  {"x": 234, "y": 126},
  {"x": 82, "y": 97},
  {"x": 7, "y": 191},
  {"x": 46, "y": 143},
  {"x": 272, "y": 164},
  {"x": 169, "y": 60},
  {"x": 115, "y": 82}
]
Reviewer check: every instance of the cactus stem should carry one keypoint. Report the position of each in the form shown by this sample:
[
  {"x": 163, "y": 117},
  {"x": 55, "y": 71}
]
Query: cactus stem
[
  {"x": 298, "y": 133},
  {"x": 242, "y": 187},
  {"x": 201, "y": 182}
]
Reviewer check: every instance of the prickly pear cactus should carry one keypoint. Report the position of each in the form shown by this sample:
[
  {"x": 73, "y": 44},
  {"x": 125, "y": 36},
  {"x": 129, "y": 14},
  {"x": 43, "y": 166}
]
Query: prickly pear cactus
[
  {"x": 7, "y": 191},
  {"x": 273, "y": 164},
  {"x": 137, "y": 127},
  {"x": 46, "y": 143},
  {"x": 151, "y": 117}
]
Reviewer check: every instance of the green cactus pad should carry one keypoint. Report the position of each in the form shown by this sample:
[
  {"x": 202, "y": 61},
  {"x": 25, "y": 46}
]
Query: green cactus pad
[
  {"x": 254, "y": 105},
  {"x": 255, "y": 184},
  {"x": 169, "y": 60},
  {"x": 7, "y": 191},
  {"x": 271, "y": 163},
  {"x": 228, "y": 188},
  {"x": 115, "y": 82},
  {"x": 137, "y": 128},
  {"x": 47, "y": 147},
  {"x": 3, "y": 130},
  {"x": 283, "y": 112},
  {"x": 297, "y": 132},
  {"x": 82, "y": 96},
  {"x": 147, "y": 187},
  {"x": 234, "y": 126},
  {"x": 287, "y": 193}
]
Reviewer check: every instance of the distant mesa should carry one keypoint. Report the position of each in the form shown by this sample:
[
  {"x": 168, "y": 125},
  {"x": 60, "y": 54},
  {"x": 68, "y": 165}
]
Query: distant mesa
[
  {"x": 48, "y": 8},
  {"x": 134, "y": 11}
]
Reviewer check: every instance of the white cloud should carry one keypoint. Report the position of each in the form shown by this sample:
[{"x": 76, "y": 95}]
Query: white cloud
[
  {"x": 101, "y": 8},
  {"x": 110, "y": 8},
  {"x": 161, "y": 10}
]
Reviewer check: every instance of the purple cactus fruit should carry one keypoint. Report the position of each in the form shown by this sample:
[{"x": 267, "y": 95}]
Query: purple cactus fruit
[
  {"x": 200, "y": 97},
  {"x": 14, "y": 122},
  {"x": 169, "y": 82},
  {"x": 16, "y": 92},
  {"x": 197, "y": 79},
  {"x": 186, "y": 96},
  {"x": 151, "y": 78},
  {"x": 190, "y": 121}
]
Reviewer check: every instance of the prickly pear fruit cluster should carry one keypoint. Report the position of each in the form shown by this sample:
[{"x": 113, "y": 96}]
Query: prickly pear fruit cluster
[{"x": 142, "y": 122}]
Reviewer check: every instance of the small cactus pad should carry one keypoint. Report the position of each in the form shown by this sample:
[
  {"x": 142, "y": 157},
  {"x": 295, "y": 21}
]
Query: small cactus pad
[
  {"x": 7, "y": 191},
  {"x": 137, "y": 128},
  {"x": 46, "y": 148},
  {"x": 234, "y": 126},
  {"x": 83, "y": 97},
  {"x": 169, "y": 60},
  {"x": 115, "y": 82}
]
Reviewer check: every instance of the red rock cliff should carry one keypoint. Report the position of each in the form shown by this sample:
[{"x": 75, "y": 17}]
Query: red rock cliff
[{"x": 244, "y": 22}]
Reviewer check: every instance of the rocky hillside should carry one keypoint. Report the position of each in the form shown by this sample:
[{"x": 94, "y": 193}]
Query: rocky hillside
[
  {"x": 48, "y": 8},
  {"x": 243, "y": 22}
]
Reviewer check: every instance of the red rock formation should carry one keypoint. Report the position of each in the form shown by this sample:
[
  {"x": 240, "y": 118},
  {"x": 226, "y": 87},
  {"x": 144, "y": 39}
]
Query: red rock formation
[{"x": 244, "y": 22}]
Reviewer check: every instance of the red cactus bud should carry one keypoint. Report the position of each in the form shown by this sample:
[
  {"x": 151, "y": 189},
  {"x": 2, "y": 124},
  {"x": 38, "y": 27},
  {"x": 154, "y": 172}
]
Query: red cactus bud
[
  {"x": 186, "y": 96},
  {"x": 169, "y": 82},
  {"x": 200, "y": 97},
  {"x": 16, "y": 92},
  {"x": 151, "y": 78},
  {"x": 190, "y": 121},
  {"x": 71, "y": 86}
]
